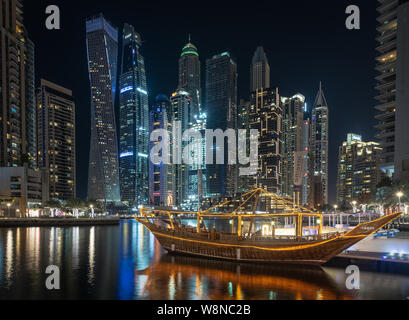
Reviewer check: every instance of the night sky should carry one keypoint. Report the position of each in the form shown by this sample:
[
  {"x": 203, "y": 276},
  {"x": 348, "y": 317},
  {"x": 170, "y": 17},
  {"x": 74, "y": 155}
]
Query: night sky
[{"x": 305, "y": 41}]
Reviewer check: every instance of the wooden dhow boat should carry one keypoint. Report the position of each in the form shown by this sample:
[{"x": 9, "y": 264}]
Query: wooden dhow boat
[{"x": 291, "y": 234}]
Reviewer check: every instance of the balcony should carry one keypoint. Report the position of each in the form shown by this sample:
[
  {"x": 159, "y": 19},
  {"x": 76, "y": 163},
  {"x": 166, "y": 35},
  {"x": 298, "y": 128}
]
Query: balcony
[
  {"x": 387, "y": 5},
  {"x": 386, "y": 96},
  {"x": 385, "y": 134},
  {"x": 385, "y": 116},
  {"x": 386, "y": 66},
  {"x": 387, "y": 16},
  {"x": 387, "y": 46},
  {"x": 385, "y": 125},
  {"x": 386, "y": 106},
  {"x": 387, "y": 76},
  {"x": 387, "y": 33},
  {"x": 387, "y": 86}
]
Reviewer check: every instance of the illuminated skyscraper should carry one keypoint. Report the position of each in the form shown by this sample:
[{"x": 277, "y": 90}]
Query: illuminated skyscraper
[
  {"x": 221, "y": 106},
  {"x": 294, "y": 149},
  {"x": 17, "y": 92},
  {"x": 265, "y": 115},
  {"x": 393, "y": 87},
  {"x": 358, "y": 172},
  {"x": 102, "y": 50},
  {"x": 134, "y": 121},
  {"x": 162, "y": 177},
  {"x": 197, "y": 171},
  {"x": 180, "y": 113},
  {"x": 319, "y": 151},
  {"x": 189, "y": 75},
  {"x": 259, "y": 71},
  {"x": 56, "y": 139}
]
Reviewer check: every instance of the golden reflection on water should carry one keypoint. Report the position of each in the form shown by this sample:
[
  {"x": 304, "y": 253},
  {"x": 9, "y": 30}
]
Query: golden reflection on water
[
  {"x": 9, "y": 256},
  {"x": 230, "y": 281},
  {"x": 91, "y": 256}
]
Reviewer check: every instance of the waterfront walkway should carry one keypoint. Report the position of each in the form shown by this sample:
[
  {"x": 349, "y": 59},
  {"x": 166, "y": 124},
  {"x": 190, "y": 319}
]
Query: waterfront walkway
[
  {"x": 394, "y": 250},
  {"x": 56, "y": 222}
]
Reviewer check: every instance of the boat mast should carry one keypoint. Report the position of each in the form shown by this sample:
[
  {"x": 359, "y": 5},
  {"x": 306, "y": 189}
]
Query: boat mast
[{"x": 255, "y": 205}]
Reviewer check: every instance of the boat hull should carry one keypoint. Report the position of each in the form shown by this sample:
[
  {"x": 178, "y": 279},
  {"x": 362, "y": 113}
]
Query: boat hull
[{"x": 314, "y": 254}]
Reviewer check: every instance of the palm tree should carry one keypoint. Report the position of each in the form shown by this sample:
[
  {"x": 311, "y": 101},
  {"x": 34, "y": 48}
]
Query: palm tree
[
  {"x": 74, "y": 204},
  {"x": 53, "y": 205}
]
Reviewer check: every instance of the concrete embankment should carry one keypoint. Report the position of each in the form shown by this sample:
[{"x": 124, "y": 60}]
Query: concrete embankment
[{"x": 57, "y": 222}]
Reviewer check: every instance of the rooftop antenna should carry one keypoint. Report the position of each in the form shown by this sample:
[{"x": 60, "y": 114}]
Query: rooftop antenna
[{"x": 189, "y": 37}]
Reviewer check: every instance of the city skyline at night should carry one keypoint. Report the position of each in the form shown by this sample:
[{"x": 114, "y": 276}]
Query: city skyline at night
[
  {"x": 289, "y": 67},
  {"x": 192, "y": 151}
]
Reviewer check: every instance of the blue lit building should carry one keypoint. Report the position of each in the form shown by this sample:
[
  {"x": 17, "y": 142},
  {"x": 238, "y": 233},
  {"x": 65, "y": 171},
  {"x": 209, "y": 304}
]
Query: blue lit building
[
  {"x": 134, "y": 121},
  {"x": 102, "y": 50}
]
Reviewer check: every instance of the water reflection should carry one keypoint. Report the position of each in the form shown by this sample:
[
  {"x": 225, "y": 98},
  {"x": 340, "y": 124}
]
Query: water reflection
[
  {"x": 9, "y": 257},
  {"x": 126, "y": 262},
  {"x": 91, "y": 256},
  {"x": 207, "y": 279}
]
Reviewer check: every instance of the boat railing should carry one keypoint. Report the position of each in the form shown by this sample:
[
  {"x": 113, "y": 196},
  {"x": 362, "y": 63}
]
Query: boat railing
[{"x": 219, "y": 236}]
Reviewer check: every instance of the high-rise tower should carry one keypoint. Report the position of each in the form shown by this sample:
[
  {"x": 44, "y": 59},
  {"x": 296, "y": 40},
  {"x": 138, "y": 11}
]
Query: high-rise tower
[
  {"x": 319, "y": 151},
  {"x": 180, "y": 114},
  {"x": 134, "y": 120},
  {"x": 358, "y": 171},
  {"x": 189, "y": 75},
  {"x": 259, "y": 71},
  {"x": 56, "y": 139},
  {"x": 265, "y": 115},
  {"x": 393, "y": 87},
  {"x": 294, "y": 148},
  {"x": 162, "y": 177},
  {"x": 102, "y": 49},
  {"x": 221, "y": 106},
  {"x": 17, "y": 92}
]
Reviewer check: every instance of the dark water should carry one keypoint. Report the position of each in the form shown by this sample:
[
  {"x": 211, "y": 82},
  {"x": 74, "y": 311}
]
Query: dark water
[{"x": 126, "y": 262}]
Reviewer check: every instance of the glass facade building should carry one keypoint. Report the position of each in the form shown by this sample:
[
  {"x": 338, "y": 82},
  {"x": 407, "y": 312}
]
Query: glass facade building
[
  {"x": 265, "y": 115},
  {"x": 221, "y": 108},
  {"x": 134, "y": 121},
  {"x": 319, "y": 151},
  {"x": 181, "y": 115},
  {"x": 189, "y": 75},
  {"x": 162, "y": 176},
  {"x": 102, "y": 50},
  {"x": 259, "y": 71},
  {"x": 294, "y": 149}
]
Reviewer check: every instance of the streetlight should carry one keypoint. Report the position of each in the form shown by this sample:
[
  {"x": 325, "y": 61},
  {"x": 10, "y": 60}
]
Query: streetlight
[
  {"x": 354, "y": 203},
  {"x": 400, "y": 195},
  {"x": 8, "y": 206}
]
